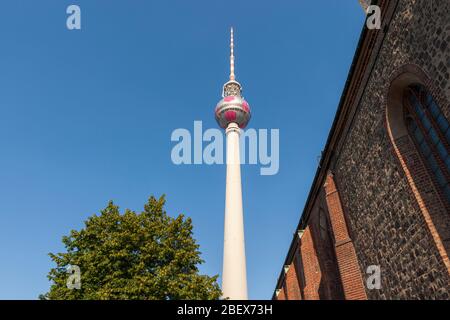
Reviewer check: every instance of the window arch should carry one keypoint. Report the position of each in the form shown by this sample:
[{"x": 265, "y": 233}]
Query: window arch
[
  {"x": 410, "y": 104},
  {"x": 430, "y": 131}
]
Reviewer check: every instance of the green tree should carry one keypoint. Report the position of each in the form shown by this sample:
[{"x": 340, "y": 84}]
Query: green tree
[{"x": 147, "y": 255}]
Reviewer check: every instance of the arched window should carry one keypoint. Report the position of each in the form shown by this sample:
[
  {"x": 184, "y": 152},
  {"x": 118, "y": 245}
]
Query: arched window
[
  {"x": 430, "y": 131},
  {"x": 330, "y": 286},
  {"x": 323, "y": 225}
]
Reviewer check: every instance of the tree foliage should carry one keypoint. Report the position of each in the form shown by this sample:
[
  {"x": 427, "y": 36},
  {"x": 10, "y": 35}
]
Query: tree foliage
[{"x": 147, "y": 255}]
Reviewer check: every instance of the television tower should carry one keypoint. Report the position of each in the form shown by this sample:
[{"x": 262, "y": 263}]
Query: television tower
[{"x": 233, "y": 114}]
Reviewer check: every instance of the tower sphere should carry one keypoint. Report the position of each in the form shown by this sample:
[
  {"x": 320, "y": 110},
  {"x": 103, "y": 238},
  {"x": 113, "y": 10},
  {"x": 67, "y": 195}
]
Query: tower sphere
[{"x": 232, "y": 108}]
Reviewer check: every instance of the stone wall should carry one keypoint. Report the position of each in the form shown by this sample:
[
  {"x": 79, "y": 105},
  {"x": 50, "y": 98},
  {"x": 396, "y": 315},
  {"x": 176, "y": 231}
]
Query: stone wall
[{"x": 386, "y": 223}]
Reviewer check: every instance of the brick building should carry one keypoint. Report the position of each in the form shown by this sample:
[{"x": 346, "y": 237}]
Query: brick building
[{"x": 381, "y": 194}]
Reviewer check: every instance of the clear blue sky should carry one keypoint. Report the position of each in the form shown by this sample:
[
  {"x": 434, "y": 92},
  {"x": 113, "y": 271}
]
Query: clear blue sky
[{"x": 86, "y": 116}]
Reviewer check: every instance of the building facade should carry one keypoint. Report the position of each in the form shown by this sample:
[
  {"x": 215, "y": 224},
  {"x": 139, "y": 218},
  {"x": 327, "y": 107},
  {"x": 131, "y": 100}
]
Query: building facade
[{"x": 380, "y": 200}]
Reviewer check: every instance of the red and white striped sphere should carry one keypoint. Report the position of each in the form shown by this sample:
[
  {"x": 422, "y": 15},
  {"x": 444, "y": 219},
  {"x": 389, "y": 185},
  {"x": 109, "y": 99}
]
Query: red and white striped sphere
[{"x": 233, "y": 109}]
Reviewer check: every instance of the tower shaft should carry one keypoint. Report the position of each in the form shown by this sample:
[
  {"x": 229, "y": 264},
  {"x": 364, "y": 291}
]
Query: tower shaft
[{"x": 234, "y": 276}]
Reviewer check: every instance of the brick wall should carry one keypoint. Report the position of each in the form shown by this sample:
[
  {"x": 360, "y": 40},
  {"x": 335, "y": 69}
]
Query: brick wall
[
  {"x": 310, "y": 266},
  {"x": 292, "y": 283},
  {"x": 347, "y": 261},
  {"x": 313, "y": 273}
]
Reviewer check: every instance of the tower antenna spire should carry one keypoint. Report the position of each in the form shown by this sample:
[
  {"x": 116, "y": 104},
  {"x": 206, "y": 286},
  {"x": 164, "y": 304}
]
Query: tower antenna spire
[{"x": 232, "y": 76}]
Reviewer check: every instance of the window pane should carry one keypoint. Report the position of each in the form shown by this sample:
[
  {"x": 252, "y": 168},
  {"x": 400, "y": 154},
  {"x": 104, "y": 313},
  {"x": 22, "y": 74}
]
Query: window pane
[
  {"x": 447, "y": 135},
  {"x": 442, "y": 122},
  {"x": 447, "y": 192},
  {"x": 442, "y": 150},
  {"x": 418, "y": 135},
  {"x": 447, "y": 163},
  {"x": 412, "y": 125},
  {"x": 441, "y": 178},
  {"x": 416, "y": 105},
  {"x": 434, "y": 136},
  {"x": 433, "y": 164},
  {"x": 410, "y": 96},
  {"x": 428, "y": 99},
  {"x": 426, "y": 123},
  {"x": 434, "y": 109},
  {"x": 426, "y": 151},
  {"x": 419, "y": 110}
]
